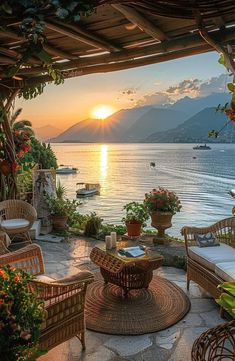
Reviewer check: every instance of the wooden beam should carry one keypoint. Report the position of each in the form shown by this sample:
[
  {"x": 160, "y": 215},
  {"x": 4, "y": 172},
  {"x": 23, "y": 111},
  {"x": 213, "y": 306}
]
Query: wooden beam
[
  {"x": 76, "y": 36},
  {"x": 119, "y": 66},
  {"x": 181, "y": 43},
  {"x": 109, "y": 46},
  {"x": 144, "y": 24},
  {"x": 51, "y": 49}
]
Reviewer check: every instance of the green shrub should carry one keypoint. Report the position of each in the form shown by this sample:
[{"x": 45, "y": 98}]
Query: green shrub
[{"x": 21, "y": 316}]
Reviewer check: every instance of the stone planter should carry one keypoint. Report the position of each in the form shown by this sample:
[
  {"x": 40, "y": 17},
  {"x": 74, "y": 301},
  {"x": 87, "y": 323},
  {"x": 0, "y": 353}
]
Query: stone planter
[
  {"x": 161, "y": 221},
  {"x": 133, "y": 229},
  {"x": 59, "y": 222}
]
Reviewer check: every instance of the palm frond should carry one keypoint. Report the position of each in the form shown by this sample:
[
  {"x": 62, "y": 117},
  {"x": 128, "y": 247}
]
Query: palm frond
[
  {"x": 22, "y": 124},
  {"x": 15, "y": 116}
]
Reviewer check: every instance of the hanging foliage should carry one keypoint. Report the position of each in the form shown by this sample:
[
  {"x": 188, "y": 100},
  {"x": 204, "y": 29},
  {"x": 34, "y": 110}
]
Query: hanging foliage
[
  {"x": 228, "y": 108},
  {"x": 30, "y": 15}
]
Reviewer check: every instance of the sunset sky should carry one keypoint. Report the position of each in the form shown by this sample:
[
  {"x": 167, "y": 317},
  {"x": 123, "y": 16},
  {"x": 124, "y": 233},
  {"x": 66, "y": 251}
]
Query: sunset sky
[{"x": 75, "y": 100}]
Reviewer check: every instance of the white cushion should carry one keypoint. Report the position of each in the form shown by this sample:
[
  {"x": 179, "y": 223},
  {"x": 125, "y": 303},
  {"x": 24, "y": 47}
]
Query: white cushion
[
  {"x": 14, "y": 223},
  {"x": 226, "y": 271},
  {"x": 210, "y": 256},
  {"x": 45, "y": 278}
]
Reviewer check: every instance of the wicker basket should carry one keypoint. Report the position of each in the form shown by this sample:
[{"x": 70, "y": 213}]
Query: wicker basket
[{"x": 216, "y": 344}]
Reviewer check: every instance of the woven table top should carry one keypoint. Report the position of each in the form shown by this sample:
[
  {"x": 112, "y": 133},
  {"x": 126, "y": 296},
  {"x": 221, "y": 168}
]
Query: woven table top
[{"x": 113, "y": 261}]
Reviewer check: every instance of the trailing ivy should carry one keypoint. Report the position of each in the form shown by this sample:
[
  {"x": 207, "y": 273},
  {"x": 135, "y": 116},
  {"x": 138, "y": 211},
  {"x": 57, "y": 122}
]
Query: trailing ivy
[{"x": 31, "y": 16}]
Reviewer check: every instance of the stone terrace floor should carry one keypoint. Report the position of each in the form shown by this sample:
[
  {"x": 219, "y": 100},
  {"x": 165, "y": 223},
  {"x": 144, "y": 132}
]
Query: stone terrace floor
[{"x": 173, "y": 344}]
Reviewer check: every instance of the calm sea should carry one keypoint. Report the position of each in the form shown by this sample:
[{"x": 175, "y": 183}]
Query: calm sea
[{"x": 124, "y": 173}]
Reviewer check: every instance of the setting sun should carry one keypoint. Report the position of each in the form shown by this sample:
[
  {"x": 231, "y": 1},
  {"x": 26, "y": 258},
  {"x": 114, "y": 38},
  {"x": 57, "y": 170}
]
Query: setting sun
[{"x": 102, "y": 111}]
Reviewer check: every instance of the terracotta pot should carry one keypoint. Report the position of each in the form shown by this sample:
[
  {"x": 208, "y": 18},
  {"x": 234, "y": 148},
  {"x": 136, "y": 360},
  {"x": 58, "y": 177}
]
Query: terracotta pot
[
  {"x": 161, "y": 221},
  {"x": 133, "y": 229},
  {"x": 59, "y": 222}
]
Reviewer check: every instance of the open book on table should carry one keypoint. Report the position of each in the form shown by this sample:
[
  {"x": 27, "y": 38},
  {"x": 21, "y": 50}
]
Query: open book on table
[{"x": 137, "y": 251}]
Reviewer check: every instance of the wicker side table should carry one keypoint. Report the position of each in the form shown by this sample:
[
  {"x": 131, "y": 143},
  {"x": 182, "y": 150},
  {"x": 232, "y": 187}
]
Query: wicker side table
[
  {"x": 216, "y": 344},
  {"x": 128, "y": 273}
]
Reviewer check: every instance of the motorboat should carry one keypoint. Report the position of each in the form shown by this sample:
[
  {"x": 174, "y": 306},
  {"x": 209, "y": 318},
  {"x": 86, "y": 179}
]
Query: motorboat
[
  {"x": 202, "y": 147},
  {"x": 87, "y": 190},
  {"x": 66, "y": 169}
]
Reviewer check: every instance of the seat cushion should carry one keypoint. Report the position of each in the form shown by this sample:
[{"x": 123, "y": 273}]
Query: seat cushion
[
  {"x": 226, "y": 270},
  {"x": 45, "y": 278},
  {"x": 210, "y": 256},
  {"x": 12, "y": 224}
]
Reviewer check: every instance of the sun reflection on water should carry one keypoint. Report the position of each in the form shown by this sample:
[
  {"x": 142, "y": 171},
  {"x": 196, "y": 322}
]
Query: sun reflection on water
[{"x": 103, "y": 161}]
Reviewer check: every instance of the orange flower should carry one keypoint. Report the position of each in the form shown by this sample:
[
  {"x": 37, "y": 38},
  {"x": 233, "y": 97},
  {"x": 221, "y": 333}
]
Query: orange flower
[
  {"x": 17, "y": 278},
  {"x": 1, "y": 302},
  {"x": 3, "y": 274}
]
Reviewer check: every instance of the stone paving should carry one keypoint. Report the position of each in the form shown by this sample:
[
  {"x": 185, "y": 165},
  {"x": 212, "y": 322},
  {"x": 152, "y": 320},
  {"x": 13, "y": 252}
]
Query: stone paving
[{"x": 173, "y": 344}]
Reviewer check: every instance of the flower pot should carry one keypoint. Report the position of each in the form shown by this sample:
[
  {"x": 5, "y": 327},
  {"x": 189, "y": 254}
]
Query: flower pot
[
  {"x": 161, "y": 221},
  {"x": 133, "y": 229},
  {"x": 59, "y": 222}
]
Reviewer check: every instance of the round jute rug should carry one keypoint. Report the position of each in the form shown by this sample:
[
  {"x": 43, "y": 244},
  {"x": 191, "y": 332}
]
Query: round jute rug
[{"x": 143, "y": 311}]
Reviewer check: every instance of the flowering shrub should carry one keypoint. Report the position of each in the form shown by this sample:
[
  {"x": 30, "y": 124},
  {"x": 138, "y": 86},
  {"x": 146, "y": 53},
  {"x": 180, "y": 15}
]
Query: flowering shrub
[
  {"x": 135, "y": 213},
  {"x": 21, "y": 315},
  {"x": 162, "y": 200}
]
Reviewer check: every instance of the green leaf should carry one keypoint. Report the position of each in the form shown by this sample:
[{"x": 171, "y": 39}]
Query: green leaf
[
  {"x": 221, "y": 59},
  {"x": 231, "y": 87},
  {"x": 62, "y": 13},
  {"x": 7, "y": 8},
  {"x": 44, "y": 56},
  {"x": 12, "y": 70},
  {"x": 228, "y": 287}
]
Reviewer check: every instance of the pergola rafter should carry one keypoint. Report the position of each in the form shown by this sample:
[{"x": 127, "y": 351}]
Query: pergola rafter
[{"x": 105, "y": 41}]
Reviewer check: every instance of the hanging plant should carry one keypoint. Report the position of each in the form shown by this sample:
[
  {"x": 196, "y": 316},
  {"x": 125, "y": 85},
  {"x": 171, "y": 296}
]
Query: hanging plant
[{"x": 31, "y": 16}]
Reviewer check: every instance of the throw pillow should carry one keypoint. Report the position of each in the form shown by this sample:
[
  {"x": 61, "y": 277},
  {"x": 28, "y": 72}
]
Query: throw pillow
[{"x": 206, "y": 240}]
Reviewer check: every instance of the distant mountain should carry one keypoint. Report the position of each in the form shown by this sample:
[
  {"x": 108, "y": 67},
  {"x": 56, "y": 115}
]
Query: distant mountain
[
  {"x": 47, "y": 132},
  {"x": 128, "y": 125},
  {"x": 195, "y": 129},
  {"x": 191, "y": 106},
  {"x": 156, "y": 120}
]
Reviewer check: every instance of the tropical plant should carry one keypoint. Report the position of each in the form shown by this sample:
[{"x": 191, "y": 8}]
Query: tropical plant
[
  {"x": 162, "y": 200},
  {"x": 135, "y": 213},
  {"x": 227, "y": 298},
  {"x": 62, "y": 207},
  {"x": 41, "y": 154},
  {"x": 21, "y": 316},
  {"x": 93, "y": 224}
]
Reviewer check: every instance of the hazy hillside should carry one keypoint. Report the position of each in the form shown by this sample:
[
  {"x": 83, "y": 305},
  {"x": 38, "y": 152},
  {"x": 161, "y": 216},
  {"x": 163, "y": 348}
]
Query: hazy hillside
[
  {"x": 191, "y": 106},
  {"x": 129, "y": 125},
  {"x": 156, "y": 120},
  {"x": 195, "y": 129},
  {"x": 47, "y": 132}
]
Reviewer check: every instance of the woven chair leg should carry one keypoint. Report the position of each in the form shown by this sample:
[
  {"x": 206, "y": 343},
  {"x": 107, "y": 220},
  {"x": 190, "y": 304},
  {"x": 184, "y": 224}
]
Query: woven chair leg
[
  {"x": 188, "y": 283},
  {"x": 81, "y": 337},
  {"x": 27, "y": 236}
]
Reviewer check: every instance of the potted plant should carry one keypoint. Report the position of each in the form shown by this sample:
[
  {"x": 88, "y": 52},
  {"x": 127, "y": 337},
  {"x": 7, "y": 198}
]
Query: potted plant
[
  {"x": 136, "y": 216},
  {"x": 61, "y": 210},
  {"x": 161, "y": 204},
  {"x": 21, "y": 317}
]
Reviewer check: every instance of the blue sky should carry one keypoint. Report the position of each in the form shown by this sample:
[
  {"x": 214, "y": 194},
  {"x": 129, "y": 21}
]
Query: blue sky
[{"x": 64, "y": 105}]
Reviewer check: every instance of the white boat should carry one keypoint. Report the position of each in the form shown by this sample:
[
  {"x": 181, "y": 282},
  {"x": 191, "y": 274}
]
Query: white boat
[
  {"x": 87, "y": 190},
  {"x": 202, "y": 147},
  {"x": 66, "y": 169}
]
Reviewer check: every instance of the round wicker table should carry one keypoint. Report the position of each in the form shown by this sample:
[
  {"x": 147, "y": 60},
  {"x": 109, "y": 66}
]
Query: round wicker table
[{"x": 128, "y": 273}]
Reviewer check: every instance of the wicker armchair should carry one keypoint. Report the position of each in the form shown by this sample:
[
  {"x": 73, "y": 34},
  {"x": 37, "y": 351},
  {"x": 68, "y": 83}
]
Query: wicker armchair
[
  {"x": 17, "y": 217},
  {"x": 64, "y": 298},
  {"x": 224, "y": 231},
  {"x": 216, "y": 344}
]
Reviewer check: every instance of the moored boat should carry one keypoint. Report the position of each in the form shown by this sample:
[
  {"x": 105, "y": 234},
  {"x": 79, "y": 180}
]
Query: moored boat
[
  {"x": 66, "y": 169},
  {"x": 87, "y": 190},
  {"x": 202, "y": 147}
]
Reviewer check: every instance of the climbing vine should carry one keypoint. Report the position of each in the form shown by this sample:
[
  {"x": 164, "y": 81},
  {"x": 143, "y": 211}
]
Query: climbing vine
[{"x": 228, "y": 108}]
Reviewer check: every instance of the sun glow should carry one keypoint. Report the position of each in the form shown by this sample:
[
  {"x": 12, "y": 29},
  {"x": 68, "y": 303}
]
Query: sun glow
[{"x": 102, "y": 111}]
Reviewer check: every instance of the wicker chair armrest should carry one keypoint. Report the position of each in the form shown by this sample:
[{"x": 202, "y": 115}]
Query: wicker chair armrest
[
  {"x": 3, "y": 248},
  {"x": 28, "y": 258},
  {"x": 56, "y": 289}
]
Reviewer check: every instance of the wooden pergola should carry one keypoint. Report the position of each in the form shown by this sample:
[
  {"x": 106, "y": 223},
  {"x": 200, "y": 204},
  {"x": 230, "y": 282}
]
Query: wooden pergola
[{"x": 122, "y": 34}]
